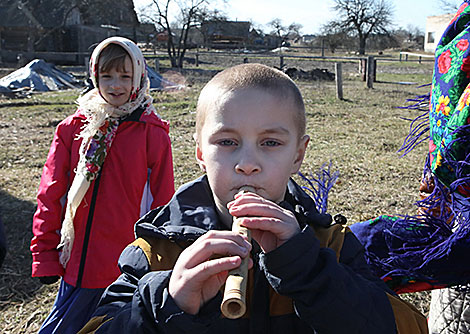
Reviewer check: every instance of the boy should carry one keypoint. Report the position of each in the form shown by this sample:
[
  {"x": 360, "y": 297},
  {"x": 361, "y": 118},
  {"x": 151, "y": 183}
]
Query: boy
[{"x": 306, "y": 276}]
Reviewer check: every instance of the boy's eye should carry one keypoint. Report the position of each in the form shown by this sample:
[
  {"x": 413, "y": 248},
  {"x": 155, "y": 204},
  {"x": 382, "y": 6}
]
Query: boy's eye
[
  {"x": 226, "y": 142},
  {"x": 271, "y": 143}
]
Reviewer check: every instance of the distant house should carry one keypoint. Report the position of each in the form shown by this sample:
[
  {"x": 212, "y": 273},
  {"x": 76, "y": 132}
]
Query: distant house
[
  {"x": 435, "y": 27},
  {"x": 226, "y": 33},
  {"x": 30, "y": 28},
  {"x": 308, "y": 39},
  {"x": 256, "y": 38}
]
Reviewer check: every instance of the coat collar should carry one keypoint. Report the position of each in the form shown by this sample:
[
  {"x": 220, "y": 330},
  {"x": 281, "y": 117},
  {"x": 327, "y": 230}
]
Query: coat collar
[{"x": 192, "y": 212}]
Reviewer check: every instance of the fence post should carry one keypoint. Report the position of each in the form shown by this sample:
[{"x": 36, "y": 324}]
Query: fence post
[
  {"x": 197, "y": 57},
  {"x": 281, "y": 62},
  {"x": 87, "y": 67},
  {"x": 374, "y": 74},
  {"x": 339, "y": 80},
  {"x": 363, "y": 68},
  {"x": 323, "y": 47},
  {"x": 157, "y": 65},
  {"x": 370, "y": 72}
]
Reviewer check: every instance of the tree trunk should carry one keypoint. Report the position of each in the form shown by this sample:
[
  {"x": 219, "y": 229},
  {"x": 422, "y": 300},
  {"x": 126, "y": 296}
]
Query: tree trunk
[
  {"x": 184, "y": 43},
  {"x": 171, "y": 51},
  {"x": 362, "y": 45}
]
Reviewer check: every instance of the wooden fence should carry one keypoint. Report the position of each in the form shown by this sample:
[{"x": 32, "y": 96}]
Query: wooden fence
[{"x": 409, "y": 56}]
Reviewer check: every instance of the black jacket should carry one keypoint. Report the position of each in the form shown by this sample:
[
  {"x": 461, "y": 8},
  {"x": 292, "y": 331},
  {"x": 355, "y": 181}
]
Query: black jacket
[{"x": 317, "y": 282}]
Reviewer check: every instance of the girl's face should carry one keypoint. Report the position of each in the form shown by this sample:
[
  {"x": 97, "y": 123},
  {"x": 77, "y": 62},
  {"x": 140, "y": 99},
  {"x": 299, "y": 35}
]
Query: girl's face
[{"x": 115, "y": 85}]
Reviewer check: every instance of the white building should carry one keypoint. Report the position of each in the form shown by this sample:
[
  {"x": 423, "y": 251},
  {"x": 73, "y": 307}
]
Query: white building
[{"x": 435, "y": 27}]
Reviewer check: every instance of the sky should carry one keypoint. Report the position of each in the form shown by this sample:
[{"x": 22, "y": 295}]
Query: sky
[{"x": 312, "y": 14}]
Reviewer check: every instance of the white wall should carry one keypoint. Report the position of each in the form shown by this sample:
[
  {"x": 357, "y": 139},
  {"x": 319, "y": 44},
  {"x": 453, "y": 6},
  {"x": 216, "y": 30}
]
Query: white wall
[{"x": 435, "y": 27}]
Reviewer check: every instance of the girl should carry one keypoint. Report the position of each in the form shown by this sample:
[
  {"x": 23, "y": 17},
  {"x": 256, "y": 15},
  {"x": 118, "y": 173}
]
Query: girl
[{"x": 108, "y": 164}]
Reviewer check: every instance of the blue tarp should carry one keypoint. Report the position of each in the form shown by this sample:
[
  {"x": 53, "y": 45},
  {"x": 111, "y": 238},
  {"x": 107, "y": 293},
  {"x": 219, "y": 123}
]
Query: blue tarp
[
  {"x": 160, "y": 83},
  {"x": 39, "y": 76},
  {"x": 155, "y": 79}
]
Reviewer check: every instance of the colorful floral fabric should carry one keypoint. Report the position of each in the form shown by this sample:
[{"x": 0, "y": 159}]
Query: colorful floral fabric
[
  {"x": 98, "y": 148},
  {"x": 450, "y": 97},
  {"x": 430, "y": 250}
]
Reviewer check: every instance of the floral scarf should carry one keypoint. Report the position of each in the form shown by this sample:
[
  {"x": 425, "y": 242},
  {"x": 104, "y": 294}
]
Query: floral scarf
[
  {"x": 102, "y": 121},
  {"x": 430, "y": 250}
]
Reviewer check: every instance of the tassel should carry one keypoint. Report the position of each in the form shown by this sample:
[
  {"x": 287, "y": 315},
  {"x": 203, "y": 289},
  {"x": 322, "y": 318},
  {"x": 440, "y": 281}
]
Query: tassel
[{"x": 320, "y": 185}]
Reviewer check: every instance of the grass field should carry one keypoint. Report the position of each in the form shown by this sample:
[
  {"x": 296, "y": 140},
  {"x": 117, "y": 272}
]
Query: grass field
[{"x": 359, "y": 135}]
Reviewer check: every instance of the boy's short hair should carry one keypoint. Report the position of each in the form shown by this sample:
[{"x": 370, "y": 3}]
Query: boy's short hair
[
  {"x": 112, "y": 56},
  {"x": 250, "y": 76}
]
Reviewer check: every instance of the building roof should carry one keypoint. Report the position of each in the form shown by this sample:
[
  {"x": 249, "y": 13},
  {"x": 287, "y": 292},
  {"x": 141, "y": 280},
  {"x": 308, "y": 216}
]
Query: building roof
[
  {"x": 52, "y": 13},
  {"x": 227, "y": 29},
  {"x": 32, "y": 13}
]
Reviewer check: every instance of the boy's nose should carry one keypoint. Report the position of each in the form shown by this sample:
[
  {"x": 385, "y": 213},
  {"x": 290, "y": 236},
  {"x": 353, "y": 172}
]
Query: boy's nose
[{"x": 247, "y": 165}]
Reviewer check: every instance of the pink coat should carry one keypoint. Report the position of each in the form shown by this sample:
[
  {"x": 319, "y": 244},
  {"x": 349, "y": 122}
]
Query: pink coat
[{"x": 137, "y": 176}]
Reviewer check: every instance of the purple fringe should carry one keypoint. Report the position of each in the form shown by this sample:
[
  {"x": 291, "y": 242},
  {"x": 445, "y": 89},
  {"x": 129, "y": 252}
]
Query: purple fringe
[
  {"x": 420, "y": 125},
  {"x": 319, "y": 185},
  {"x": 435, "y": 251},
  {"x": 459, "y": 163},
  {"x": 420, "y": 257},
  {"x": 427, "y": 247}
]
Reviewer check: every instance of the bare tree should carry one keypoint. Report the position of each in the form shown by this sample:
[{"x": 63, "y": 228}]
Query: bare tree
[
  {"x": 363, "y": 18},
  {"x": 188, "y": 17},
  {"x": 449, "y": 6},
  {"x": 284, "y": 32},
  {"x": 333, "y": 37}
]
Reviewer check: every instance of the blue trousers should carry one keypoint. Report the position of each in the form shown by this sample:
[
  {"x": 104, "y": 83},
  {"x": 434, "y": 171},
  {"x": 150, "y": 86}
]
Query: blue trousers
[{"x": 72, "y": 309}]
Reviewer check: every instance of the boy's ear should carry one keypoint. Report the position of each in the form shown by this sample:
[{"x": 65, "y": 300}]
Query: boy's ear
[
  {"x": 299, "y": 158},
  {"x": 199, "y": 157}
]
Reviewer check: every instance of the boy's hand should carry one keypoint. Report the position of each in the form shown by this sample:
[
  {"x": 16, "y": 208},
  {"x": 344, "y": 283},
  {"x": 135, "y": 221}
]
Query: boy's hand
[
  {"x": 198, "y": 274},
  {"x": 270, "y": 224}
]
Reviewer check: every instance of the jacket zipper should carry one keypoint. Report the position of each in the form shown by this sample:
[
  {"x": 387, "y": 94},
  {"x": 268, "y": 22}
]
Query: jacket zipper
[{"x": 86, "y": 238}]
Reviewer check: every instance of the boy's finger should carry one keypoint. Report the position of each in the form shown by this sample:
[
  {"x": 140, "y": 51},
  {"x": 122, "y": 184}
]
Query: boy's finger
[
  {"x": 207, "y": 269},
  {"x": 241, "y": 198},
  {"x": 270, "y": 224},
  {"x": 205, "y": 249},
  {"x": 257, "y": 209}
]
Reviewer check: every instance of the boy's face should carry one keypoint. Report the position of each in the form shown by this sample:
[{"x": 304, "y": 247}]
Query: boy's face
[
  {"x": 250, "y": 139},
  {"x": 115, "y": 85}
]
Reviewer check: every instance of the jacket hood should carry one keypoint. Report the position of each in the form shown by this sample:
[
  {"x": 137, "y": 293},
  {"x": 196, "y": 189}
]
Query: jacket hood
[{"x": 192, "y": 212}]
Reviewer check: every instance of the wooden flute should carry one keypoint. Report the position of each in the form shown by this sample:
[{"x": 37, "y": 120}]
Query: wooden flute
[{"x": 234, "y": 301}]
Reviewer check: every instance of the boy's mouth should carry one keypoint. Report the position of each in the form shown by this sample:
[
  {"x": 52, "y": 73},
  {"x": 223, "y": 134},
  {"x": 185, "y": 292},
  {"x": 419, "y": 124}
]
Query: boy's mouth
[{"x": 247, "y": 188}]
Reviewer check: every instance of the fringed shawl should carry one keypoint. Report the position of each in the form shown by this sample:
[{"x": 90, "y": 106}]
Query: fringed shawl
[{"x": 430, "y": 250}]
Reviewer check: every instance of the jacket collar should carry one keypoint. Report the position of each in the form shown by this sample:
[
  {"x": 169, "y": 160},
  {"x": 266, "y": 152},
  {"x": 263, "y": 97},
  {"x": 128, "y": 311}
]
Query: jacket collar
[{"x": 192, "y": 212}]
